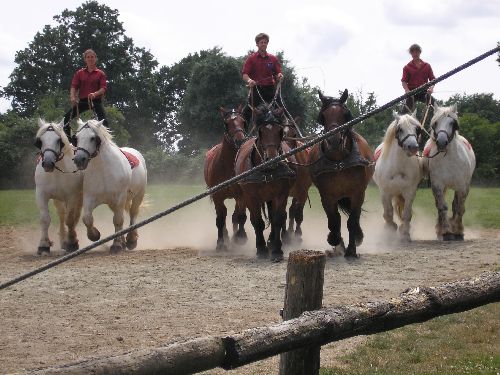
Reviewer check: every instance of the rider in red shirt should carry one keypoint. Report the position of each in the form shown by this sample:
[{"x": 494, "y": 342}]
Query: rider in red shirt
[
  {"x": 416, "y": 73},
  {"x": 90, "y": 83},
  {"x": 260, "y": 72}
]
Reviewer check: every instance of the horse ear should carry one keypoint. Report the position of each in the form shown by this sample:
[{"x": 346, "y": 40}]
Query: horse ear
[
  {"x": 396, "y": 115},
  {"x": 414, "y": 113},
  {"x": 255, "y": 110},
  {"x": 454, "y": 107},
  {"x": 279, "y": 111},
  {"x": 297, "y": 120},
  {"x": 80, "y": 122},
  {"x": 99, "y": 124},
  {"x": 321, "y": 96},
  {"x": 222, "y": 110},
  {"x": 40, "y": 122},
  {"x": 344, "y": 96},
  {"x": 240, "y": 108}
]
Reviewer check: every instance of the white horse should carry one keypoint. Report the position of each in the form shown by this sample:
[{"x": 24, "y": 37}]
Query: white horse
[
  {"x": 398, "y": 171},
  {"x": 56, "y": 158},
  {"x": 109, "y": 178},
  {"x": 451, "y": 162}
]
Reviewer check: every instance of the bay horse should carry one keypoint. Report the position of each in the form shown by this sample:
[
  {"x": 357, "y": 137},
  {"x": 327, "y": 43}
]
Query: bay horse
[
  {"x": 399, "y": 170},
  {"x": 300, "y": 189},
  {"x": 341, "y": 167},
  {"x": 54, "y": 180},
  {"x": 113, "y": 176},
  {"x": 219, "y": 166},
  {"x": 271, "y": 185},
  {"x": 450, "y": 161}
]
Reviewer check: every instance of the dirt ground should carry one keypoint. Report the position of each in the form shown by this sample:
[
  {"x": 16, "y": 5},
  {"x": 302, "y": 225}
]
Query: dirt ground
[{"x": 175, "y": 287}]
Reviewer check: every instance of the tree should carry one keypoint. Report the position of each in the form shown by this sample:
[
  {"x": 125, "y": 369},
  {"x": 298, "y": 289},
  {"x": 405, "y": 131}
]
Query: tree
[
  {"x": 483, "y": 105},
  {"x": 47, "y": 65}
]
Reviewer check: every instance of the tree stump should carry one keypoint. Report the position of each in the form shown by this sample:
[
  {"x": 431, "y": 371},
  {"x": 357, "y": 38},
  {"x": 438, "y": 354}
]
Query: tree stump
[{"x": 304, "y": 292}]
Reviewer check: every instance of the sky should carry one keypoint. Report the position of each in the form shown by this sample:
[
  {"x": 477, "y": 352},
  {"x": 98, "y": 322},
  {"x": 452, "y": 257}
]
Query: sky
[{"x": 358, "y": 45}]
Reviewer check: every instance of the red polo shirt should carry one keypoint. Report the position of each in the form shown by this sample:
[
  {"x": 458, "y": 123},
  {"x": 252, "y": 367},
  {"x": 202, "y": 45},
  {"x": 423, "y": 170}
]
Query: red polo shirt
[
  {"x": 86, "y": 82},
  {"x": 416, "y": 76},
  {"x": 262, "y": 69}
]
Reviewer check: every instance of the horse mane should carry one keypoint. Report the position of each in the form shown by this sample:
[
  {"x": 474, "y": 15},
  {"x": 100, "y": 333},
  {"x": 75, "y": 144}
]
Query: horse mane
[
  {"x": 390, "y": 133},
  {"x": 102, "y": 131},
  {"x": 440, "y": 112},
  {"x": 57, "y": 128}
]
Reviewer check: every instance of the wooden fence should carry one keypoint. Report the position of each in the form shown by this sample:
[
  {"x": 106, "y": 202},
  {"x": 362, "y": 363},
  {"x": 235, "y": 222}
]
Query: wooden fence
[{"x": 306, "y": 332}]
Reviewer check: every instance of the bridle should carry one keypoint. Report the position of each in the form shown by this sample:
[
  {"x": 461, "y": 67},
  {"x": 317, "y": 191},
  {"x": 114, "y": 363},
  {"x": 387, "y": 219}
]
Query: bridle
[
  {"x": 229, "y": 137},
  {"x": 402, "y": 141},
  {"x": 448, "y": 136},
  {"x": 264, "y": 147},
  {"x": 59, "y": 155},
  {"x": 347, "y": 115},
  {"x": 97, "y": 139}
]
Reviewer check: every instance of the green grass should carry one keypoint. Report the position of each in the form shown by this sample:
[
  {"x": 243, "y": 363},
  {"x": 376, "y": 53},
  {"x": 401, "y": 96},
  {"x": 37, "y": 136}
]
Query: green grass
[
  {"x": 466, "y": 343},
  {"x": 482, "y": 206}
]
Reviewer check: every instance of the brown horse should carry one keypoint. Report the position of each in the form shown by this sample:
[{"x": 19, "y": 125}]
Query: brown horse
[
  {"x": 270, "y": 185},
  {"x": 219, "y": 166},
  {"x": 300, "y": 189},
  {"x": 341, "y": 167}
]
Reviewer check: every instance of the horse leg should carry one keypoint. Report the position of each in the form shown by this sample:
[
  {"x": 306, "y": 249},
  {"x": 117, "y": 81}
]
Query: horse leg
[
  {"x": 404, "y": 228},
  {"x": 388, "y": 211},
  {"x": 332, "y": 213},
  {"x": 93, "y": 233},
  {"x": 259, "y": 226},
  {"x": 131, "y": 238},
  {"x": 220, "y": 222},
  {"x": 442, "y": 225},
  {"x": 240, "y": 237},
  {"x": 291, "y": 216},
  {"x": 61, "y": 212},
  {"x": 355, "y": 231},
  {"x": 458, "y": 209},
  {"x": 45, "y": 243},
  {"x": 272, "y": 233},
  {"x": 299, "y": 218},
  {"x": 73, "y": 214},
  {"x": 118, "y": 219},
  {"x": 278, "y": 221}
]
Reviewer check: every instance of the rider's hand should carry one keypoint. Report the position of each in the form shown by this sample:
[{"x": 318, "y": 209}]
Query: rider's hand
[
  {"x": 251, "y": 82},
  {"x": 430, "y": 90},
  {"x": 92, "y": 95},
  {"x": 73, "y": 101},
  {"x": 280, "y": 76}
]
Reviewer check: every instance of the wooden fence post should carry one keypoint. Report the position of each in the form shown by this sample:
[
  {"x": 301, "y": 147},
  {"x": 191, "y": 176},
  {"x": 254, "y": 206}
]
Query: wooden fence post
[{"x": 304, "y": 292}]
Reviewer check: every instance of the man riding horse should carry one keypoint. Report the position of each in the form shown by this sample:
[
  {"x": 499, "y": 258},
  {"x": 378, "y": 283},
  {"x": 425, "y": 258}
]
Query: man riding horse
[{"x": 260, "y": 72}]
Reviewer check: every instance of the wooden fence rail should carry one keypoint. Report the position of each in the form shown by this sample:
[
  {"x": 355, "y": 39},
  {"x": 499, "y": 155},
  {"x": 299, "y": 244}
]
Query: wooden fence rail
[{"x": 311, "y": 328}]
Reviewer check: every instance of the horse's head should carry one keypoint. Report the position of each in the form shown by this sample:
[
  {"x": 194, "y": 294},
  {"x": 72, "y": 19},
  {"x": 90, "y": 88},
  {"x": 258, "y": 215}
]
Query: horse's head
[
  {"x": 333, "y": 114},
  {"x": 444, "y": 125},
  {"x": 234, "y": 126},
  {"x": 88, "y": 142},
  {"x": 406, "y": 130},
  {"x": 51, "y": 140},
  {"x": 270, "y": 131}
]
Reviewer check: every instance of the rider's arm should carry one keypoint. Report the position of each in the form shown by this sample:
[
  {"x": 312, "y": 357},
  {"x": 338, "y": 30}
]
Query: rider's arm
[
  {"x": 248, "y": 80},
  {"x": 405, "y": 86},
  {"x": 72, "y": 96}
]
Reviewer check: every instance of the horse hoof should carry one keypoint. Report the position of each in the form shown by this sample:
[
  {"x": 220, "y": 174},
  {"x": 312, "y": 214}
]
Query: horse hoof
[
  {"x": 392, "y": 227},
  {"x": 459, "y": 237},
  {"x": 351, "y": 254},
  {"x": 277, "y": 257},
  {"x": 286, "y": 239},
  {"x": 333, "y": 240},
  {"x": 405, "y": 238},
  {"x": 43, "y": 250},
  {"x": 448, "y": 237},
  {"x": 240, "y": 238},
  {"x": 71, "y": 247},
  {"x": 131, "y": 245},
  {"x": 359, "y": 240},
  {"x": 262, "y": 253},
  {"x": 115, "y": 249},
  {"x": 94, "y": 235},
  {"x": 221, "y": 247}
]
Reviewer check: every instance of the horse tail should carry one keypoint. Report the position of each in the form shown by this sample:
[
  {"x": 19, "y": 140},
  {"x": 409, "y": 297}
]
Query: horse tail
[
  {"x": 345, "y": 205},
  {"x": 399, "y": 202}
]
